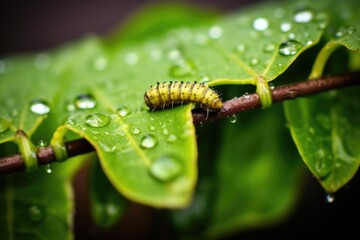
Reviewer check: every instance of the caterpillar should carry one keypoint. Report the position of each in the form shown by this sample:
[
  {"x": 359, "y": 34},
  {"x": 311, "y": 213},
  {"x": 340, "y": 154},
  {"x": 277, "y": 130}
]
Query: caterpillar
[{"x": 168, "y": 94}]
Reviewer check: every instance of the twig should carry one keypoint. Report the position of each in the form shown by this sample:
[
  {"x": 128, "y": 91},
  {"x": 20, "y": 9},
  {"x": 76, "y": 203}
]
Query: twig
[
  {"x": 280, "y": 94},
  {"x": 45, "y": 155}
]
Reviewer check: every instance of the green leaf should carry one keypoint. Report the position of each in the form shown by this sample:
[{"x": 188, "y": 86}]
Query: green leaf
[
  {"x": 257, "y": 173},
  {"x": 38, "y": 205},
  {"x": 326, "y": 132},
  {"x": 136, "y": 153},
  {"x": 107, "y": 205}
]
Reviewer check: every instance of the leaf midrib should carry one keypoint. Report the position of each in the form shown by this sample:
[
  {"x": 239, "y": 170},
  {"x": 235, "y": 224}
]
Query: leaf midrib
[{"x": 108, "y": 104}]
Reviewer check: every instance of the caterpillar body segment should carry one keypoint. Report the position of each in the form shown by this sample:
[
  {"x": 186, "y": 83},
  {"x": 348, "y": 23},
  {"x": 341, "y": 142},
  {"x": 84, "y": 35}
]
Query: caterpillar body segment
[{"x": 167, "y": 94}]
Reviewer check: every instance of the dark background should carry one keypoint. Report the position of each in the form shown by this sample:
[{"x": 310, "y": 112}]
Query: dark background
[{"x": 39, "y": 25}]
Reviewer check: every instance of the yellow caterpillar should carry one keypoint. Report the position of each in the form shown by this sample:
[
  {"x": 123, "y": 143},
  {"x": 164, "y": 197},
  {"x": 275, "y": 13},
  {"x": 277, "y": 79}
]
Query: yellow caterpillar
[{"x": 168, "y": 94}]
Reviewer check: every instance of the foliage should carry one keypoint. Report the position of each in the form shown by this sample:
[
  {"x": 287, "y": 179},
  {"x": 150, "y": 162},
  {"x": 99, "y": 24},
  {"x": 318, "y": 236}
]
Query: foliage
[{"x": 248, "y": 171}]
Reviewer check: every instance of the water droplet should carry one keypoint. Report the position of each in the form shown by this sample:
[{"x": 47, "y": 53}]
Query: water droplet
[
  {"x": 183, "y": 69},
  {"x": 272, "y": 85},
  {"x": 71, "y": 121},
  {"x": 148, "y": 141},
  {"x": 269, "y": 47},
  {"x": 344, "y": 31},
  {"x": 156, "y": 54},
  {"x": 40, "y": 107},
  {"x": 42, "y": 61},
  {"x": 254, "y": 61},
  {"x": 240, "y": 48},
  {"x": 260, "y": 24},
  {"x": 171, "y": 138},
  {"x": 246, "y": 95},
  {"x": 292, "y": 36},
  {"x": 233, "y": 118},
  {"x": 36, "y": 213},
  {"x": 309, "y": 42},
  {"x": 204, "y": 78},
  {"x": 215, "y": 32},
  {"x": 329, "y": 197},
  {"x": 100, "y": 63},
  {"x": 320, "y": 153},
  {"x": 42, "y": 143},
  {"x": 165, "y": 168},
  {"x": 4, "y": 125},
  {"x": 85, "y": 101},
  {"x": 324, "y": 120},
  {"x": 123, "y": 111},
  {"x": 97, "y": 120},
  {"x": 131, "y": 59},
  {"x": 165, "y": 131},
  {"x": 135, "y": 131},
  {"x": 290, "y": 47},
  {"x": 48, "y": 168},
  {"x": 112, "y": 209},
  {"x": 303, "y": 16},
  {"x": 174, "y": 54},
  {"x": 107, "y": 148},
  {"x": 201, "y": 39},
  {"x": 285, "y": 27},
  {"x": 152, "y": 128}
]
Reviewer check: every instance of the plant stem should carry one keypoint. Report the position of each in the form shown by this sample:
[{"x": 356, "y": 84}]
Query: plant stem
[
  {"x": 280, "y": 94},
  {"x": 46, "y": 155}
]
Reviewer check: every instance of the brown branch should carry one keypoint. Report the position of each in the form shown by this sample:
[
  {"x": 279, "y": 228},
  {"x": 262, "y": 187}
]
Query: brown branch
[
  {"x": 280, "y": 94},
  {"x": 45, "y": 155}
]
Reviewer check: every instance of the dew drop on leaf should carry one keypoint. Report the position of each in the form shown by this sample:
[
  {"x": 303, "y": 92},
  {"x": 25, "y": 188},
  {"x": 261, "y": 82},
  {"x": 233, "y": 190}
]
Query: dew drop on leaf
[
  {"x": 290, "y": 47},
  {"x": 260, "y": 24},
  {"x": 107, "y": 148},
  {"x": 269, "y": 47},
  {"x": 165, "y": 131},
  {"x": 165, "y": 168},
  {"x": 171, "y": 138},
  {"x": 131, "y": 59},
  {"x": 100, "y": 63},
  {"x": 148, "y": 141},
  {"x": 85, "y": 101},
  {"x": 303, "y": 16},
  {"x": 4, "y": 125},
  {"x": 135, "y": 131},
  {"x": 156, "y": 54},
  {"x": 152, "y": 128},
  {"x": 97, "y": 120},
  {"x": 285, "y": 27},
  {"x": 40, "y": 107},
  {"x": 233, "y": 118},
  {"x": 182, "y": 69},
  {"x": 123, "y": 111},
  {"x": 42, "y": 143},
  {"x": 174, "y": 54},
  {"x": 36, "y": 213},
  {"x": 254, "y": 61},
  {"x": 240, "y": 48},
  {"x": 215, "y": 32},
  {"x": 48, "y": 168},
  {"x": 329, "y": 197}
]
